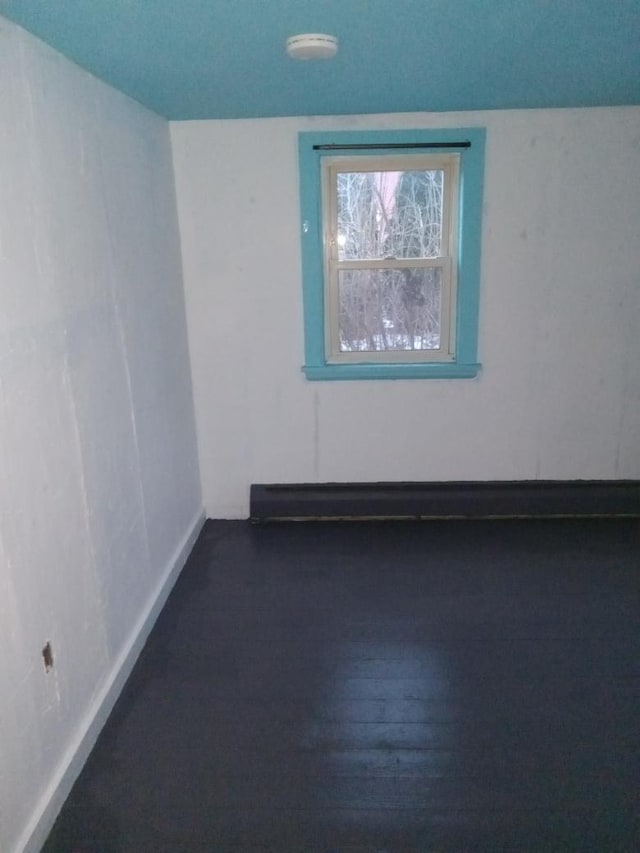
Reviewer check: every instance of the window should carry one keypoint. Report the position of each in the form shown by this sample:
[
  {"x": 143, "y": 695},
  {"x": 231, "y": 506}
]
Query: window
[
  {"x": 390, "y": 226},
  {"x": 391, "y": 253}
]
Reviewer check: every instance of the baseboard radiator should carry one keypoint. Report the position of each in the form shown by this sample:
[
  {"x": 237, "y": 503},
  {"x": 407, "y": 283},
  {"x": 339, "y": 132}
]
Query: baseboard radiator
[{"x": 441, "y": 500}]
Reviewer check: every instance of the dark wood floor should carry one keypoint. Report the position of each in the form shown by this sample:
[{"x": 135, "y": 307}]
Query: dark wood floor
[{"x": 449, "y": 686}]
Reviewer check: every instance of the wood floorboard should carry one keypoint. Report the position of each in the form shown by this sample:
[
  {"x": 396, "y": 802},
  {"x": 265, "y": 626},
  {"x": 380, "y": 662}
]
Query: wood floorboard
[{"x": 434, "y": 686}]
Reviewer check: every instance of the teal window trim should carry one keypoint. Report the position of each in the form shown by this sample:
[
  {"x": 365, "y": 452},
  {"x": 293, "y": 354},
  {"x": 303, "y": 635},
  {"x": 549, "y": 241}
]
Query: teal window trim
[{"x": 465, "y": 364}]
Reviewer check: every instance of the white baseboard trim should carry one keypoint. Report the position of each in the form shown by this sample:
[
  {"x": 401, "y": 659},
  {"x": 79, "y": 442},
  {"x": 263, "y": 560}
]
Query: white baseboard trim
[{"x": 74, "y": 759}]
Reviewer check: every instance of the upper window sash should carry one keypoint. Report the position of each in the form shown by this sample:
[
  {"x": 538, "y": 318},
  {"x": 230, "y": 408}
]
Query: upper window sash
[{"x": 448, "y": 164}]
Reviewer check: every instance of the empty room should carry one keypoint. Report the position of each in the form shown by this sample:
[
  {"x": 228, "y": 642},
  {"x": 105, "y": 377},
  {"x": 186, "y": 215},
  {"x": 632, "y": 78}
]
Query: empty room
[{"x": 319, "y": 426}]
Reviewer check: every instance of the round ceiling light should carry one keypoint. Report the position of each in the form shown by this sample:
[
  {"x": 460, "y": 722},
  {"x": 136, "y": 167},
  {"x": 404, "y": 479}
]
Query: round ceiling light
[{"x": 312, "y": 46}]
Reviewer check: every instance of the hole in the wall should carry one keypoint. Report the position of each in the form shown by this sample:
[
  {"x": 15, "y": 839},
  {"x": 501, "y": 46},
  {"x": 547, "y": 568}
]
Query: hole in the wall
[{"x": 47, "y": 657}]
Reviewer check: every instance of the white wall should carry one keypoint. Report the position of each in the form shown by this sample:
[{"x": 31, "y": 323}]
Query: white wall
[
  {"x": 559, "y": 394},
  {"x": 100, "y": 496}
]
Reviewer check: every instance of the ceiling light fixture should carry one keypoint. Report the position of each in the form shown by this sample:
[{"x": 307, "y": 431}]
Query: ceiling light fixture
[{"x": 312, "y": 46}]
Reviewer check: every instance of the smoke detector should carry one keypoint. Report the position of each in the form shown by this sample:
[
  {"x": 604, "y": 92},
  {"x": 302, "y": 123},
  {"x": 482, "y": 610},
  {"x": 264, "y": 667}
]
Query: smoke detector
[{"x": 312, "y": 46}]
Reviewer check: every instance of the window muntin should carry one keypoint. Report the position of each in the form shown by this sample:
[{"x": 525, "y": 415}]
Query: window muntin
[{"x": 390, "y": 236}]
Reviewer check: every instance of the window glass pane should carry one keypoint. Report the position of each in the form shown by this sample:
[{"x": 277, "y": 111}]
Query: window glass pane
[
  {"x": 389, "y": 214},
  {"x": 391, "y": 309}
]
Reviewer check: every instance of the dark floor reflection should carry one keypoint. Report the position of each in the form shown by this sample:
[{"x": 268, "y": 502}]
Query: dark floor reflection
[{"x": 380, "y": 687}]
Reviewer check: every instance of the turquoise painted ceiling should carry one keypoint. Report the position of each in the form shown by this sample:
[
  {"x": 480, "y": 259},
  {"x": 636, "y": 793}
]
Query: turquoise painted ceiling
[{"x": 196, "y": 59}]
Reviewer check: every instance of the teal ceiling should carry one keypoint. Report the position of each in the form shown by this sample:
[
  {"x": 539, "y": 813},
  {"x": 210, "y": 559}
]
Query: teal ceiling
[{"x": 190, "y": 59}]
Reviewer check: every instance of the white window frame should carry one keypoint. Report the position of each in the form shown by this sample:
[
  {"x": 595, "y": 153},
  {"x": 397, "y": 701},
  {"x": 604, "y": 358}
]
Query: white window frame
[{"x": 449, "y": 164}]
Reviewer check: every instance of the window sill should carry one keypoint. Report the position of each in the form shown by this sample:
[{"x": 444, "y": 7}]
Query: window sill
[{"x": 391, "y": 371}]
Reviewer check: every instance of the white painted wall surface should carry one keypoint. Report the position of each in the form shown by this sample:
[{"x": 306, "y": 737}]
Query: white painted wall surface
[
  {"x": 100, "y": 495},
  {"x": 559, "y": 393}
]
